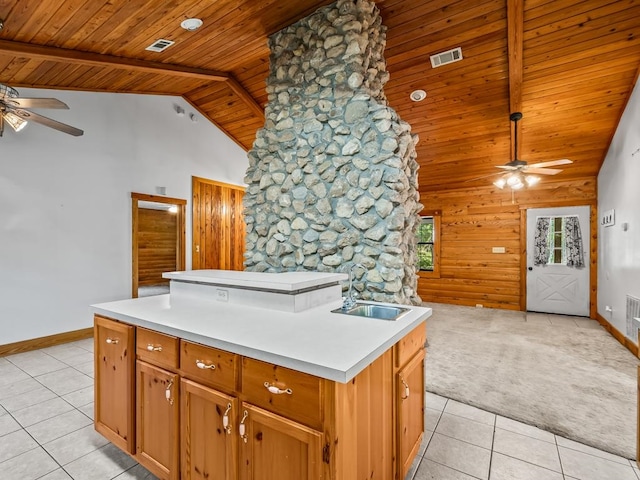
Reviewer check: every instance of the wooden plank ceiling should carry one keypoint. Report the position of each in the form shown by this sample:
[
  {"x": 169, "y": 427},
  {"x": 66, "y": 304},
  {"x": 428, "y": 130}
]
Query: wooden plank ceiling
[{"x": 568, "y": 65}]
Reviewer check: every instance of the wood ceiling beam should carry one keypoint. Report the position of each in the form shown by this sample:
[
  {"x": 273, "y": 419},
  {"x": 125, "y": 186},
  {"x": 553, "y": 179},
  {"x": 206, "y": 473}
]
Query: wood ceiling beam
[
  {"x": 43, "y": 52},
  {"x": 47, "y": 53},
  {"x": 515, "y": 27}
]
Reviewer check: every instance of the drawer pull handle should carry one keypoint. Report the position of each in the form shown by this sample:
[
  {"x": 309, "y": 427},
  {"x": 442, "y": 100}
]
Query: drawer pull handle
[
  {"x": 406, "y": 389},
  {"x": 167, "y": 392},
  {"x": 112, "y": 341},
  {"x": 203, "y": 366},
  {"x": 153, "y": 348},
  {"x": 277, "y": 391},
  {"x": 242, "y": 428},
  {"x": 225, "y": 420}
]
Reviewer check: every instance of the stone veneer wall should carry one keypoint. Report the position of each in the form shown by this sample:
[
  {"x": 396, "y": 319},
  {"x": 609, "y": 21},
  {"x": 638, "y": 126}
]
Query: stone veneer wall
[{"x": 332, "y": 176}]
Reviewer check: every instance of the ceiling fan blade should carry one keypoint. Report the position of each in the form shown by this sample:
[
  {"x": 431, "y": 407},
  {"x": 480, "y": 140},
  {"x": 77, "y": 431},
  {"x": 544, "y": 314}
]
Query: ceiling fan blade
[
  {"x": 48, "y": 122},
  {"x": 552, "y": 163},
  {"x": 506, "y": 167},
  {"x": 483, "y": 176},
  {"x": 36, "y": 103},
  {"x": 542, "y": 171}
]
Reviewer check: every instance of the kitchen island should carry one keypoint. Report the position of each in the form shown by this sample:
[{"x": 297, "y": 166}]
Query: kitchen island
[{"x": 252, "y": 376}]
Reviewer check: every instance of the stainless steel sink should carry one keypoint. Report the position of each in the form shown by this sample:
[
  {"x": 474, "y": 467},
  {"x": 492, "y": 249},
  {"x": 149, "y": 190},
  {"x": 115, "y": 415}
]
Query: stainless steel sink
[{"x": 380, "y": 312}]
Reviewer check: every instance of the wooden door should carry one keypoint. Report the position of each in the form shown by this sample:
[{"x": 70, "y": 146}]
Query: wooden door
[
  {"x": 208, "y": 442},
  {"x": 218, "y": 225},
  {"x": 158, "y": 407},
  {"x": 114, "y": 382},
  {"x": 410, "y": 405},
  {"x": 275, "y": 447},
  {"x": 556, "y": 287}
]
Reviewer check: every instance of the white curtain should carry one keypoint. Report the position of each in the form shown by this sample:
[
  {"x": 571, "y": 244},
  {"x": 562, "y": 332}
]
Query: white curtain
[
  {"x": 573, "y": 242},
  {"x": 541, "y": 241}
]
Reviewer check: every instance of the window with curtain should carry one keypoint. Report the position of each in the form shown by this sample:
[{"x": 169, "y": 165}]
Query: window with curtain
[{"x": 558, "y": 241}]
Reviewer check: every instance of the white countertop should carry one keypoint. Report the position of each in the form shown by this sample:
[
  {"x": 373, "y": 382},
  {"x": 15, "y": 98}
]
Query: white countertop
[
  {"x": 286, "y": 281},
  {"x": 329, "y": 345}
]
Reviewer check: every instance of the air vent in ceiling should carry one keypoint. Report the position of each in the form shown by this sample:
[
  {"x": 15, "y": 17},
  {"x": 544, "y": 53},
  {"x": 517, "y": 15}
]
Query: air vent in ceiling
[
  {"x": 159, "y": 45},
  {"x": 444, "y": 58}
]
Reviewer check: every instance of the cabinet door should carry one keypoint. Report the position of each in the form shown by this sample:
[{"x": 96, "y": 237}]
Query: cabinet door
[
  {"x": 410, "y": 404},
  {"x": 114, "y": 382},
  {"x": 208, "y": 442},
  {"x": 275, "y": 447},
  {"x": 158, "y": 407}
]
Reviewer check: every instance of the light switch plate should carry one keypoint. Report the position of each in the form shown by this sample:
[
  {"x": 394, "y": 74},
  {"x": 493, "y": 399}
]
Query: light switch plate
[
  {"x": 608, "y": 218},
  {"x": 498, "y": 250}
]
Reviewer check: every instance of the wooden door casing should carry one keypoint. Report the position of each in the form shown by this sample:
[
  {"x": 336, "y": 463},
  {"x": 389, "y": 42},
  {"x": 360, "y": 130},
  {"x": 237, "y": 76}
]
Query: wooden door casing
[
  {"x": 114, "y": 345},
  {"x": 276, "y": 447},
  {"x": 218, "y": 225},
  {"x": 209, "y": 450},
  {"x": 157, "y": 417}
]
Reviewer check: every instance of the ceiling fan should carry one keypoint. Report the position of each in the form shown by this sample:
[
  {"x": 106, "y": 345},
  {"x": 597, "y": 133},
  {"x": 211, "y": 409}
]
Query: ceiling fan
[
  {"x": 15, "y": 111},
  {"x": 519, "y": 172}
]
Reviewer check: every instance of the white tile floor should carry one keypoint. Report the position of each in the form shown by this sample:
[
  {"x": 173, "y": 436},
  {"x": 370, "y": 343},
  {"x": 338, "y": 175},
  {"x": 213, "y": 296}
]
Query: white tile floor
[{"x": 46, "y": 433}]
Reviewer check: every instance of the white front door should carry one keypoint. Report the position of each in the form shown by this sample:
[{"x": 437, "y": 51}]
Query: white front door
[{"x": 556, "y": 287}]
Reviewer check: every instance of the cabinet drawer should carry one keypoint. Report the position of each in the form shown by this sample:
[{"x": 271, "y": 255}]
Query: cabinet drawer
[
  {"x": 292, "y": 394},
  {"x": 208, "y": 365},
  {"x": 412, "y": 343},
  {"x": 157, "y": 348}
]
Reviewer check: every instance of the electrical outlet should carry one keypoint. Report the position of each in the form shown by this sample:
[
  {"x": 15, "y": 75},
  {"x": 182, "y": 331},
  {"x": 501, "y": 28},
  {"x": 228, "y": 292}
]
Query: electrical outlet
[
  {"x": 498, "y": 250},
  {"x": 479, "y": 305},
  {"x": 222, "y": 295}
]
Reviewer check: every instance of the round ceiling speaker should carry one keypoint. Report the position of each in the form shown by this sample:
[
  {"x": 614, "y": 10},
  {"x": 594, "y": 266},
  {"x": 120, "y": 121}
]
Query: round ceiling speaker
[
  {"x": 418, "y": 95},
  {"x": 191, "y": 24}
]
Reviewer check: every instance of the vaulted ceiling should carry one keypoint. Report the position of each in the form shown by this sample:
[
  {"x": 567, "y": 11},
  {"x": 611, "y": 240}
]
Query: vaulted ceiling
[{"x": 568, "y": 65}]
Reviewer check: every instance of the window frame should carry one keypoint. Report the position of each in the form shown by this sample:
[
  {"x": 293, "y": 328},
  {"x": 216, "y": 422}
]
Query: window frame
[{"x": 436, "y": 215}]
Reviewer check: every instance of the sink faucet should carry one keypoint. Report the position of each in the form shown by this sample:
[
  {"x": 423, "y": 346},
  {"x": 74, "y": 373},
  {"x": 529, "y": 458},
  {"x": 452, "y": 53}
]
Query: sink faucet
[{"x": 350, "y": 300}]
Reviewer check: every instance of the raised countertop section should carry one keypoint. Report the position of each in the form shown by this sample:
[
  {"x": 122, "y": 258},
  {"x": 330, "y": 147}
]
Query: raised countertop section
[
  {"x": 329, "y": 345},
  {"x": 283, "y": 282}
]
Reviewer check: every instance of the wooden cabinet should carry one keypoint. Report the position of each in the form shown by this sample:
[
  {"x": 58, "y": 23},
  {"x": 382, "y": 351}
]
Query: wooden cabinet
[
  {"x": 410, "y": 411},
  {"x": 201, "y": 413},
  {"x": 114, "y": 382},
  {"x": 275, "y": 447},
  {"x": 208, "y": 433},
  {"x": 158, "y": 406}
]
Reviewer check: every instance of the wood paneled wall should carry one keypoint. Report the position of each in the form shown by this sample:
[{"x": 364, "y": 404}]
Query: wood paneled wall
[
  {"x": 157, "y": 239},
  {"x": 218, "y": 225},
  {"x": 473, "y": 220}
]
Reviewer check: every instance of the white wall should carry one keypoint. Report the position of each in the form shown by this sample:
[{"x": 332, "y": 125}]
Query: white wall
[
  {"x": 619, "y": 189},
  {"x": 65, "y": 205}
]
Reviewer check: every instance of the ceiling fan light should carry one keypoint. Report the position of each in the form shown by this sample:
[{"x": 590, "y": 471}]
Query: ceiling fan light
[
  {"x": 514, "y": 180},
  {"x": 15, "y": 121},
  {"x": 500, "y": 183},
  {"x": 531, "y": 180},
  {"x": 517, "y": 186}
]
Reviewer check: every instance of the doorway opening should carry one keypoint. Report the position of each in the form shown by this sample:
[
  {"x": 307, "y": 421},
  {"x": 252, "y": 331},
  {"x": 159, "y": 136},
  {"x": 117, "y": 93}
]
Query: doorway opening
[{"x": 157, "y": 242}]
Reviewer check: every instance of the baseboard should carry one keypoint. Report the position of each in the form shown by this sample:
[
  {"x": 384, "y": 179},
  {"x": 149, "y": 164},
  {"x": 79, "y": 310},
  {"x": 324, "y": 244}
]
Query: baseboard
[
  {"x": 617, "y": 334},
  {"x": 42, "y": 342}
]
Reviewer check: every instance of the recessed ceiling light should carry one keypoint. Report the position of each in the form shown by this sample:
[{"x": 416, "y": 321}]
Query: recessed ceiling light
[
  {"x": 191, "y": 24},
  {"x": 418, "y": 95}
]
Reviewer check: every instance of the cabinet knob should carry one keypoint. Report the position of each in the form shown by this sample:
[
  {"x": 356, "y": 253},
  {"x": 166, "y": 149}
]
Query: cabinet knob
[
  {"x": 406, "y": 389},
  {"x": 225, "y": 420},
  {"x": 167, "y": 392},
  {"x": 153, "y": 348},
  {"x": 203, "y": 366},
  {"x": 112, "y": 341},
  {"x": 242, "y": 429},
  {"x": 277, "y": 391}
]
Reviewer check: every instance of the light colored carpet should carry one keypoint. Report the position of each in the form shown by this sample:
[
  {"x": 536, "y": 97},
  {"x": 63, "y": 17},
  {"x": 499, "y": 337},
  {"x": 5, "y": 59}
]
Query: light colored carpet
[{"x": 563, "y": 374}]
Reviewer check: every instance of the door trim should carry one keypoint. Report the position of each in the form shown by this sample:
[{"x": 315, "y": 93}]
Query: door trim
[
  {"x": 593, "y": 247},
  {"x": 180, "y": 238}
]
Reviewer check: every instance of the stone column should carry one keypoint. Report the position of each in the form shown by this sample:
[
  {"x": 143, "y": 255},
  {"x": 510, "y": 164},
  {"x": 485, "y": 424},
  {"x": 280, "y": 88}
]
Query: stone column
[{"x": 332, "y": 175}]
